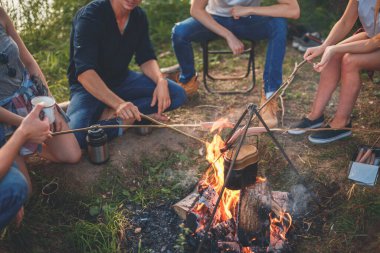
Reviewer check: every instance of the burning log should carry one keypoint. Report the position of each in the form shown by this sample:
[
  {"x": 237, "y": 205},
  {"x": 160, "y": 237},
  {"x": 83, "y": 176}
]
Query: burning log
[
  {"x": 224, "y": 229},
  {"x": 250, "y": 202},
  {"x": 256, "y": 203},
  {"x": 183, "y": 207},
  {"x": 231, "y": 247}
]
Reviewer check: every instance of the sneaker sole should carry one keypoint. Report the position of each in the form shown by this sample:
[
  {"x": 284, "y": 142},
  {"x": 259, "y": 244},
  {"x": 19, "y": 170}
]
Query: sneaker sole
[
  {"x": 298, "y": 132},
  {"x": 324, "y": 141}
]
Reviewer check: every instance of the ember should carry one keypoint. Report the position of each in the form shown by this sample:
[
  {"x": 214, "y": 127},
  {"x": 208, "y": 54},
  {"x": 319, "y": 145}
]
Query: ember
[{"x": 250, "y": 220}]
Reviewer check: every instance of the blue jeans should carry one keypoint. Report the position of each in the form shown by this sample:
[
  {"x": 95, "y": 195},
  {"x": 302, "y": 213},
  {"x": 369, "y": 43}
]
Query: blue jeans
[
  {"x": 247, "y": 28},
  {"x": 85, "y": 110},
  {"x": 13, "y": 194}
]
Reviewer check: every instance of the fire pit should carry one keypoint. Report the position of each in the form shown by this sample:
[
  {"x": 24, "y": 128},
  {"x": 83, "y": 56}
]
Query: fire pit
[
  {"x": 251, "y": 219},
  {"x": 232, "y": 210}
]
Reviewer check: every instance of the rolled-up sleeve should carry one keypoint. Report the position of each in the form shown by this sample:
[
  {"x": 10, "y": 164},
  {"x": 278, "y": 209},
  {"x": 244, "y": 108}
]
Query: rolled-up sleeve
[
  {"x": 144, "y": 51},
  {"x": 86, "y": 44}
]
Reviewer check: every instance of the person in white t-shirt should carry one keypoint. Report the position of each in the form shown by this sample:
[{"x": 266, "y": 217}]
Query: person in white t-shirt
[{"x": 235, "y": 20}]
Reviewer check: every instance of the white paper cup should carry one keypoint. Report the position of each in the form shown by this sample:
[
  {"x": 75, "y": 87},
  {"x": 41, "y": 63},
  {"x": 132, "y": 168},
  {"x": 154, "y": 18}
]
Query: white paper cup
[{"x": 49, "y": 106}]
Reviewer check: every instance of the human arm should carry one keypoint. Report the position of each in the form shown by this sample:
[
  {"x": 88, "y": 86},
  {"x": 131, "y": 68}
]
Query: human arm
[
  {"x": 338, "y": 32},
  {"x": 31, "y": 129},
  {"x": 355, "y": 47},
  {"x": 25, "y": 56},
  {"x": 92, "y": 82},
  {"x": 283, "y": 9},
  {"x": 9, "y": 118},
  {"x": 161, "y": 95},
  {"x": 198, "y": 11}
]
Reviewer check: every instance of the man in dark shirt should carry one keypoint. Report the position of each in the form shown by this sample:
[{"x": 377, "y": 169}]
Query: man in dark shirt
[{"x": 105, "y": 35}]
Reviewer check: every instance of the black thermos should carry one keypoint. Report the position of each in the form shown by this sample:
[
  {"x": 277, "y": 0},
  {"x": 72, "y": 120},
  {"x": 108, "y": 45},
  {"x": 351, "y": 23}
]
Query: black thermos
[{"x": 97, "y": 146}]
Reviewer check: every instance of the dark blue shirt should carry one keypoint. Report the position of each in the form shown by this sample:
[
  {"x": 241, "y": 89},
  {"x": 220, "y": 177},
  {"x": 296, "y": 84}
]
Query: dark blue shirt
[{"x": 96, "y": 43}]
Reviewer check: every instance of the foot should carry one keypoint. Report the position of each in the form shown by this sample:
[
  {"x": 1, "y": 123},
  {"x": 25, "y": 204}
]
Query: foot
[
  {"x": 327, "y": 136},
  {"x": 191, "y": 87},
  {"x": 306, "y": 123},
  {"x": 269, "y": 112}
]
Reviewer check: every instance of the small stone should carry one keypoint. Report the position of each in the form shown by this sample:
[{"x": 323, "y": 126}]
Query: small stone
[
  {"x": 163, "y": 248},
  {"x": 137, "y": 230}
]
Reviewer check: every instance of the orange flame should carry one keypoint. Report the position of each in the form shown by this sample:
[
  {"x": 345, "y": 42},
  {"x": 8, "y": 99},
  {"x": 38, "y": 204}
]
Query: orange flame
[
  {"x": 214, "y": 178},
  {"x": 246, "y": 250},
  {"x": 279, "y": 226}
]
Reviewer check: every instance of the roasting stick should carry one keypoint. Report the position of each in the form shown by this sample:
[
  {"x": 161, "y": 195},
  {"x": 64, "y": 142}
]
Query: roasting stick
[
  {"x": 121, "y": 126},
  {"x": 172, "y": 128},
  {"x": 283, "y": 86},
  {"x": 206, "y": 125},
  {"x": 159, "y": 125}
]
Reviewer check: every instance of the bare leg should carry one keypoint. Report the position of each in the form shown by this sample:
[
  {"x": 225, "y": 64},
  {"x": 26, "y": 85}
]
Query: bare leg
[
  {"x": 62, "y": 148},
  {"x": 327, "y": 84},
  {"x": 351, "y": 83}
]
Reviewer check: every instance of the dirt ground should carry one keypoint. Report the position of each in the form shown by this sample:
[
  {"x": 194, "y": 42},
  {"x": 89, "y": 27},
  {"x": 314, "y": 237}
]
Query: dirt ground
[{"x": 323, "y": 168}]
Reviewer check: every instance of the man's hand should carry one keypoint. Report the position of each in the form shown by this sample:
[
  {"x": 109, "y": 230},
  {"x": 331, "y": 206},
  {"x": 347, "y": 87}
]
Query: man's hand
[
  {"x": 236, "y": 46},
  {"x": 239, "y": 11},
  {"x": 127, "y": 111},
  {"x": 33, "y": 128},
  {"x": 313, "y": 52},
  {"x": 161, "y": 96}
]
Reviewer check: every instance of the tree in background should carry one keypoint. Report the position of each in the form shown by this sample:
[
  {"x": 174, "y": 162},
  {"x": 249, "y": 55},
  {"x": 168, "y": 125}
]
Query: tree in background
[{"x": 45, "y": 27}]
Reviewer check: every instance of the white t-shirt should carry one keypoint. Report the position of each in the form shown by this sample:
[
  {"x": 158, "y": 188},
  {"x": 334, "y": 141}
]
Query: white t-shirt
[
  {"x": 223, "y": 7},
  {"x": 366, "y": 11}
]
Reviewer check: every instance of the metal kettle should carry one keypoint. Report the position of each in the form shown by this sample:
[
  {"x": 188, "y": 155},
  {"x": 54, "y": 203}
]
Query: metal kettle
[{"x": 97, "y": 146}]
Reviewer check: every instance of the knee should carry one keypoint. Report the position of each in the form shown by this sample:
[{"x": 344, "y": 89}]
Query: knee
[
  {"x": 279, "y": 28},
  {"x": 20, "y": 191},
  {"x": 177, "y": 94},
  {"x": 181, "y": 96},
  {"x": 15, "y": 187},
  {"x": 73, "y": 158},
  {"x": 179, "y": 32},
  {"x": 349, "y": 64}
]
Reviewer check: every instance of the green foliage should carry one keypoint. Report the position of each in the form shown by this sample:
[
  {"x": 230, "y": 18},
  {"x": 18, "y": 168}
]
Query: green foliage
[
  {"x": 162, "y": 17},
  {"x": 103, "y": 236}
]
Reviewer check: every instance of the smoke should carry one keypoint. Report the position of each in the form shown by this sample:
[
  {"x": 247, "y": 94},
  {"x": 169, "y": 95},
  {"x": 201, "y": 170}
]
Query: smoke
[{"x": 300, "y": 198}]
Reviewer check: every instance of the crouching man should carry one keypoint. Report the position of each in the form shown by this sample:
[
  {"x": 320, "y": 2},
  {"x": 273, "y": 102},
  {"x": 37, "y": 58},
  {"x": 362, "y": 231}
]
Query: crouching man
[{"x": 105, "y": 35}]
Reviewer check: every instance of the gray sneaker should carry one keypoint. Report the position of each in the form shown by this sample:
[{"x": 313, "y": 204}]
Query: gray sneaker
[
  {"x": 306, "y": 123},
  {"x": 327, "y": 136}
]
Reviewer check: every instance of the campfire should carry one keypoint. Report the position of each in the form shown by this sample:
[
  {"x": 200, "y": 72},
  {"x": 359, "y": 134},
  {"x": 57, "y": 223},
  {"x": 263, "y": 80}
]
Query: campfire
[{"x": 249, "y": 218}]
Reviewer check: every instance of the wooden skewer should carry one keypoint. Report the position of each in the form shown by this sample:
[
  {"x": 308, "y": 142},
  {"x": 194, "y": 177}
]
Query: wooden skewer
[
  {"x": 372, "y": 160},
  {"x": 368, "y": 153},
  {"x": 360, "y": 155},
  {"x": 172, "y": 128}
]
